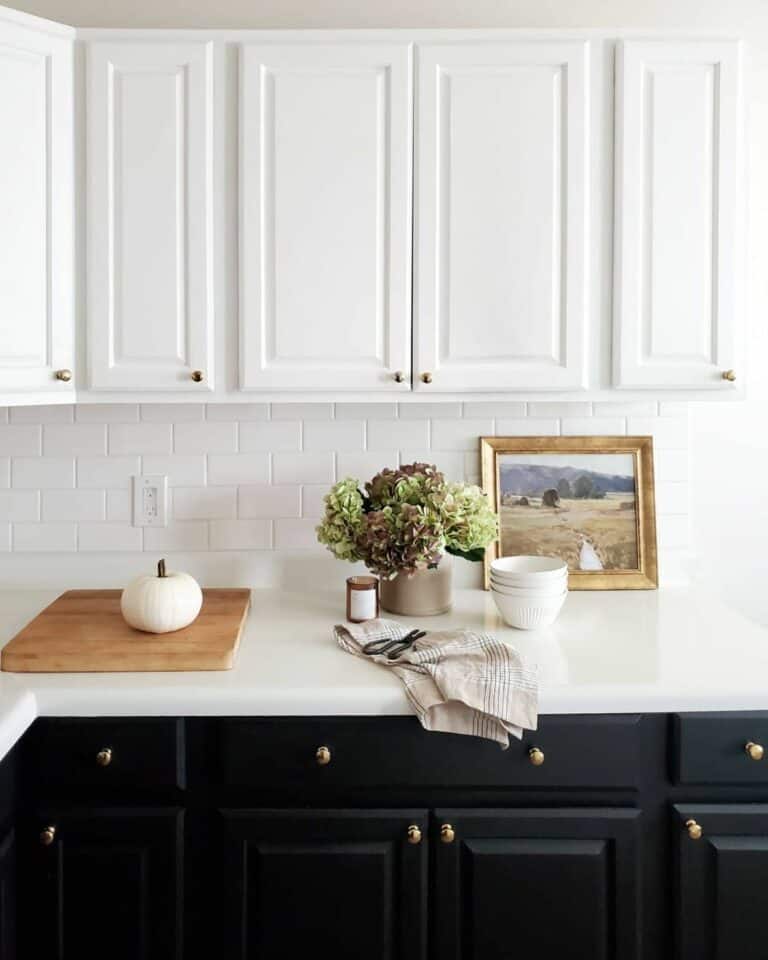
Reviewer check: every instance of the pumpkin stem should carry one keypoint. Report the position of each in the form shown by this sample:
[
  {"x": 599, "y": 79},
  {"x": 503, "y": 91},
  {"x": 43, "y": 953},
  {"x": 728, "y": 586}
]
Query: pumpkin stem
[{"x": 161, "y": 568}]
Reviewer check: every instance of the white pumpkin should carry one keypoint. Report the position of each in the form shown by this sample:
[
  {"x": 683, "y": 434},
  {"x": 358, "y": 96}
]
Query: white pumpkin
[{"x": 160, "y": 604}]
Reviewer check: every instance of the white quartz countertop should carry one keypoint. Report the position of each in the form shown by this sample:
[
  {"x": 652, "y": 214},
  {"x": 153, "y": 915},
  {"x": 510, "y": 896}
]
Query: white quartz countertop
[{"x": 676, "y": 649}]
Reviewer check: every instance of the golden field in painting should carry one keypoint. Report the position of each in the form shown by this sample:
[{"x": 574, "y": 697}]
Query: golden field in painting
[{"x": 574, "y": 529}]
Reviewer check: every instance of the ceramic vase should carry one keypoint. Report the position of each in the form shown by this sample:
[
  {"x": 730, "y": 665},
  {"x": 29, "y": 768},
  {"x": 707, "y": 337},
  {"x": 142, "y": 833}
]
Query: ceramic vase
[{"x": 424, "y": 594}]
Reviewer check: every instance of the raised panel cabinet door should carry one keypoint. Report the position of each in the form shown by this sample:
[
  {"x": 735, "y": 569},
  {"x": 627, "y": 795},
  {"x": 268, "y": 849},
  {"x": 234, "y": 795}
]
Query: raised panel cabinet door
[
  {"x": 722, "y": 897},
  {"x": 678, "y": 212},
  {"x": 105, "y": 883},
  {"x": 8, "y": 896},
  {"x": 345, "y": 884},
  {"x": 555, "y": 884},
  {"x": 36, "y": 210},
  {"x": 501, "y": 216},
  {"x": 150, "y": 259},
  {"x": 325, "y": 216}
]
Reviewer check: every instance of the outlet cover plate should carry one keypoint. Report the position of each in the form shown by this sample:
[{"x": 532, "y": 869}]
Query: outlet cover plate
[{"x": 150, "y": 501}]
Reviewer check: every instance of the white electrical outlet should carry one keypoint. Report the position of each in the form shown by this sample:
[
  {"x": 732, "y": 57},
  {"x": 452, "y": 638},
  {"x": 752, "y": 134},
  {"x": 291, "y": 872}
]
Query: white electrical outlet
[{"x": 150, "y": 501}]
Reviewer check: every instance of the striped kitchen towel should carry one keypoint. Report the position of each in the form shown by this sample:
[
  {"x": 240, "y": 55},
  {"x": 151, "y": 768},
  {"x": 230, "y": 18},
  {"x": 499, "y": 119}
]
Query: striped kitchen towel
[{"x": 457, "y": 681}]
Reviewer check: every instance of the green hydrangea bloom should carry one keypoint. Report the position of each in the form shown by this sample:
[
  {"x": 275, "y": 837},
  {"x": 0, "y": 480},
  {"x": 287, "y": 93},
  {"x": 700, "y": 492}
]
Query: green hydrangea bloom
[
  {"x": 470, "y": 524},
  {"x": 343, "y": 520}
]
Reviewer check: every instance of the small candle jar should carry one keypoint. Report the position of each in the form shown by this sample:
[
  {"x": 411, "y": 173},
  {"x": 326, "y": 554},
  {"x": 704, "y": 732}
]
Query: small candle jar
[{"x": 362, "y": 599}]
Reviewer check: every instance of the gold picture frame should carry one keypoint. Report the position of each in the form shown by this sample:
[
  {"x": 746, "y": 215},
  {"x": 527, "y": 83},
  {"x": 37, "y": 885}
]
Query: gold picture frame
[{"x": 642, "y": 577}]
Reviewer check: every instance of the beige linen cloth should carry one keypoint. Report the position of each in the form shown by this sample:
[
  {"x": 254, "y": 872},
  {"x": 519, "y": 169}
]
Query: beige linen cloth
[{"x": 457, "y": 681}]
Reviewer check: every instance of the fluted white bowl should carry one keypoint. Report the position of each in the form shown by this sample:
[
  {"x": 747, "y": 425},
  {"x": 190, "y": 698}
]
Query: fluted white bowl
[
  {"x": 528, "y": 613},
  {"x": 550, "y": 589},
  {"x": 529, "y": 571}
]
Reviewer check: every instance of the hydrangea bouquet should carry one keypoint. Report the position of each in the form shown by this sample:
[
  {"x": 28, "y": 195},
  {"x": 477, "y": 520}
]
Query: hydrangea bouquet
[{"x": 403, "y": 521}]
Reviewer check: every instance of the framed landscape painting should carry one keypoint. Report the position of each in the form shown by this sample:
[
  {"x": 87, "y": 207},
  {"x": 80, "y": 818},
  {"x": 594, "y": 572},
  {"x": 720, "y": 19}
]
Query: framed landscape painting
[{"x": 588, "y": 500}]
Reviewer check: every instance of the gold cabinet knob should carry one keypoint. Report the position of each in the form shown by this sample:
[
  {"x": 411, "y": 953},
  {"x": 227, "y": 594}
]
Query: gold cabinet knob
[
  {"x": 197, "y": 376},
  {"x": 694, "y": 830},
  {"x": 64, "y": 375},
  {"x": 447, "y": 833},
  {"x": 729, "y": 375},
  {"x": 414, "y": 834},
  {"x": 323, "y": 756},
  {"x": 47, "y": 836},
  {"x": 104, "y": 757},
  {"x": 754, "y": 751},
  {"x": 426, "y": 377},
  {"x": 536, "y": 756},
  {"x": 398, "y": 376}
]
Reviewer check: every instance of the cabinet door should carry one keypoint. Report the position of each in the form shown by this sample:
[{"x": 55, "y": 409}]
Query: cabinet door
[
  {"x": 723, "y": 881},
  {"x": 501, "y": 216},
  {"x": 325, "y": 169},
  {"x": 556, "y": 884},
  {"x": 345, "y": 884},
  {"x": 678, "y": 240},
  {"x": 109, "y": 884},
  {"x": 8, "y": 896},
  {"x": 36, "y": 211},
  {"x": 150, "y": 159}
]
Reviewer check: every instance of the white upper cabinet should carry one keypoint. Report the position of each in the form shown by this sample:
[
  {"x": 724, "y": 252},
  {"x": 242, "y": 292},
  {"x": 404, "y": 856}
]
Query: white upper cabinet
[
  {"x": 150, "y": 182},
  {"x": 36, "y": 210},
  {"x": 325, "y": 229},
  {"x": 678, "y": 236},
  {"x": 501, "y": 216}
]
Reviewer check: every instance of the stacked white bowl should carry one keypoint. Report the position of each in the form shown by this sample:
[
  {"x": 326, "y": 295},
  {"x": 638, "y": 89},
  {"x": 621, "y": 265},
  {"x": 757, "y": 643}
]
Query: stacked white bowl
[{"x": 529, "y": 591}]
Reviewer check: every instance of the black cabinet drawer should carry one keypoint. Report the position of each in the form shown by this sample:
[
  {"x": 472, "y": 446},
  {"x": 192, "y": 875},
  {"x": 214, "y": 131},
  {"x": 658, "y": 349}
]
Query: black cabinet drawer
[
  {"x": 105, "y": 754},
  {"x": 712, "y": 747},
  {"x": 579, "y": 751}
]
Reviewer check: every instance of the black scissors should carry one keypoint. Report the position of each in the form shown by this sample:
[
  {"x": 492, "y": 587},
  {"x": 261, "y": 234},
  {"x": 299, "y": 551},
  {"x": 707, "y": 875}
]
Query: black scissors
[{"x": 393, "y": 648}]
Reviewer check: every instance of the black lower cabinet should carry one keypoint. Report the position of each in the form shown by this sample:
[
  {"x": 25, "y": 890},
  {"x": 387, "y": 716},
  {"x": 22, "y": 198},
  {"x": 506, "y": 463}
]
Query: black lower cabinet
[
  {"x": 8, "y": 896},
  {"x": 105, "y": 883},
  {"x": 555, "y": 884},
  {"x": 723, "y": 881},
  {"x": 341, "y": 884}
]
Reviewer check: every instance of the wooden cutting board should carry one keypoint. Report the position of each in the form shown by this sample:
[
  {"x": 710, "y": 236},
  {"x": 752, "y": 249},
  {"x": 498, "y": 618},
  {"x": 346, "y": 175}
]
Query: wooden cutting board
[{"x": 83, "y": 631}]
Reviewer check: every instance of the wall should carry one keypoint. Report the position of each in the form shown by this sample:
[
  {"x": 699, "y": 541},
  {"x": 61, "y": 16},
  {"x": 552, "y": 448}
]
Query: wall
[
  {"x": 729, "y": 442},
  {"x": 248, "y": 479}
]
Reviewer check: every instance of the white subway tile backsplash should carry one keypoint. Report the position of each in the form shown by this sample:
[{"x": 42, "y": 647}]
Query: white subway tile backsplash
[
  {"x": 107, "y": 537},
  {"x": 45, "y": 413},
  {"x": 172, "y": 412},
  {"x": 107, "y": 413},
  {"x": 312, "y": 497},
  {"x": 459, "y": 434},
  {"x": 302, "y": 411},
  {"x": 60, "y": 506},
  {"x": 204, "y": 503},
  {"x": 44, "y": 537},
  {"x": 19, "y": 505},
  {"x": 273, "y": 436},
  {"x": 669, "y": 433},
  {"x": 347, "y": 436},
  {"x": 397, "y": 434},
  {"x": 119, "y": 506},
  {"x": 178, "y": 536},
  {"x": 302, "y": 468},
  {"x": 366, "y": 411},
  {"x": 296, "y": 535},
  {"x": 264, "y": 500},
  {"x": 365, "y": 465},
  {"x": 553, "y": 408},
  {"x": 427, "y": 411},
  {"x": 75, "y": 439},
  {"x": 40, "y": 473},
  {"x": 593, "y": 426},
  {"x": 240, "y": 535},
  {"x": 235, "y": 468},
  {"x": 107, "y": 472},
  {"x": 204, "y": 438},
  {"x": 141, "y": 438},
  {"x": 20, "y": 440},
  {"x": 181, "y": 470},
  {"x": 528, "y": 427},
  {"x": 232, "y": 412},
  {"x": 253, "y": 476}
]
